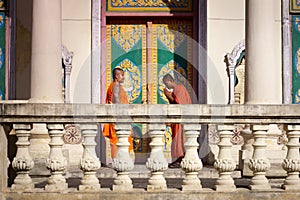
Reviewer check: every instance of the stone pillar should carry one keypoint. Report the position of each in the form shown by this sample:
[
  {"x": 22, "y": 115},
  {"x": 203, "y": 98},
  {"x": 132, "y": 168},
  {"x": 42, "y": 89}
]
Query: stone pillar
[
  {"x": 157, "y": 162},
  {"x": 224, "y": 164},
  {"x": 262, "y": 73},
  {"x": 191, "y": 162},
  {"x": 4, "y": 161},
  {"x": 292, "y": 162},
  {"x": 259, "y": 163},
  {"x": 122, "y": 163},
  {"x": 46, "y": 59},
  {"x": 89, "y": 162},
  {"x": 56, "y": 162},
  {"x": 22, "y": 163}
]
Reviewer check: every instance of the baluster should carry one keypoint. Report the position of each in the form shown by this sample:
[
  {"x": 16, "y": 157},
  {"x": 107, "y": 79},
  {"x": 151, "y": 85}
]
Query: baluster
[
  {"x": 259, "y": 163},
  {"x": 89, "y": 161},
  {"x": 56, "y": 161},
  {"x": 22, "y": 163},
  {"x": 122, "y": 163},
  {"x": 191, "y": 162},
  {"x": 224, "y": 164},
  {"x": 157, "y": 163},
  {"x": 292, "y": 162}
]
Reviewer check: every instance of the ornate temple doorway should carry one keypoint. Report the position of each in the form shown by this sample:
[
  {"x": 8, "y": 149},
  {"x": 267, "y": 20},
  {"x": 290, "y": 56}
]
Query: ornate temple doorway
[{"x": 147, "y": 46}]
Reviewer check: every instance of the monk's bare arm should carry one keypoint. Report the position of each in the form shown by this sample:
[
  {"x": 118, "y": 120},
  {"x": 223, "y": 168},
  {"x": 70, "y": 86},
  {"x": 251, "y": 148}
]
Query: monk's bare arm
[{"x": 116, "y": 94}]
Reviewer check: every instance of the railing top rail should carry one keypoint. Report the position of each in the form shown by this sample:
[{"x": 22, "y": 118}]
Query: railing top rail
[{"x": 16, "y": 112}]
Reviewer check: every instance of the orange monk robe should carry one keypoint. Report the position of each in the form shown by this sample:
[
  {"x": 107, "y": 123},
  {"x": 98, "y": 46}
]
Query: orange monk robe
[
  {"x": 109, "y": 129},
  {"x": 181, "y": 96}
]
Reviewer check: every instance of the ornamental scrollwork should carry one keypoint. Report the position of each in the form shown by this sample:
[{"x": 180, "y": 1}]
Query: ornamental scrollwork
[
  {"x": 172, "y": 35},
  {"x": 126, "y": 36},
  {"x": 150, "y": 3},
  {"x": 132, "y": 84},
  {"x": 72, "y": 134},
  {"x": 213, "y": 134}
]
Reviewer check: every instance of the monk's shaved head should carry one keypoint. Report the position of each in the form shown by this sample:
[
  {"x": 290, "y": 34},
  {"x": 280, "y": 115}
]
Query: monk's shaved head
[
  {"x": 115, "y": 71},
  {"x": 168, "y": 77}
]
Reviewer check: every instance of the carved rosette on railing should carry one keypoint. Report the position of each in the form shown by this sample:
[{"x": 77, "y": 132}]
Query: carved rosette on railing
[
  {"x": 157, "y": 163},
  {"x": 259, "y": 163},
  {"x": 292, "y": 162},
  {"x": 89, "y": 162},
  {"x": 122, "y": 163},
  {"x": 191, "y": 162},
  {"x": 225, "y": 164},
  {"x": 22, "y": 163},
  {"x": 56, "y": 161}
]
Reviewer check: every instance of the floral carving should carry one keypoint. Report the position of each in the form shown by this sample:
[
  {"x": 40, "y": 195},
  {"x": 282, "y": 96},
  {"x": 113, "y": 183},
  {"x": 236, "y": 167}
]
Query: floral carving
[
  {"x": 22, "y": 164},
  {"x": 89, "y": 164},
  {"x": 122, "y": 165},
  {"x": 156, "y": 165},
  {"x": 189, "y": 165},
  {"x": 259, "y": 165},
  {"x": 224, "y": 165},
  {"x": 291, "y": 165},
  {"x": 56, "y": 164}
]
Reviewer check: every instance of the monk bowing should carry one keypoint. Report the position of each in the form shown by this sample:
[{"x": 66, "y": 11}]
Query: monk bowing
[
  {"x": 176, "y": 94},
  {"x": 115, "y": 95}
]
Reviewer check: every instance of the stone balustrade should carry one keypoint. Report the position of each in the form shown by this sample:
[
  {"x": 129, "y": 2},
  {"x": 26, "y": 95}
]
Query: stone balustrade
[{"x": 20, "y": 117}]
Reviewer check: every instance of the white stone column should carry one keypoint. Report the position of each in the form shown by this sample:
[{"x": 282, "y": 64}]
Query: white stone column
[
  {"x": 292, "y": 162},
  {"x": 22, "y": 163},
  {"x": 89, "y": 161},
  {"x": 56, "y": 162},
  {"x": 224, "y": 164},
  {"x": 157, "y": 162},
  {"x": 262, "y": 73},
  {"x": 122, "y": 163},
  {"x": 191, "y": 162},
  {"x": 46, "y": 59},
  {"x": 259, "y": 163}
]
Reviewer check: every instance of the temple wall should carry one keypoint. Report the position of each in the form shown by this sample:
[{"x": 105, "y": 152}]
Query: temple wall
[
  {"x": 76, "y": 36},
  {"x": 226, "y": 28}
]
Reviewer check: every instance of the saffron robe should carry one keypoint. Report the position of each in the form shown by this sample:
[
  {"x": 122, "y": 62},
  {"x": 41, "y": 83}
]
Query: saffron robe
[
  {"x": 181, "y": 96},
  {"x": 109, "y": 129}
]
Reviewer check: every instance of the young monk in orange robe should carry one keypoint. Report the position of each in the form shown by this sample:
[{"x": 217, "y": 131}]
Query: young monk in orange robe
[
  {"x": 115, "y": 94},
  {"x": 179, "y": 95}
]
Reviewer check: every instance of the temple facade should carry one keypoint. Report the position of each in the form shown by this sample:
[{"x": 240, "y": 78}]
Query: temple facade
[{"x": 238, "y": 60}]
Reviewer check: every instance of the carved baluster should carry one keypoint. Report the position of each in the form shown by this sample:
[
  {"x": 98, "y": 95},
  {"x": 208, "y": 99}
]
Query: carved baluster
[
  {"x": 22, "y": 163},
  {"x": 191, "y": 162},
  {"x": 292, "y": 162},
  {"x": 224, "y": 164},
  {"x": 157, "y": 163},
  {"x": 56, "y": 161},
  {"x": 122, "y": 163},
  {"x": 259, "y": 163},
  {"x": 89, "y": 161}
]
